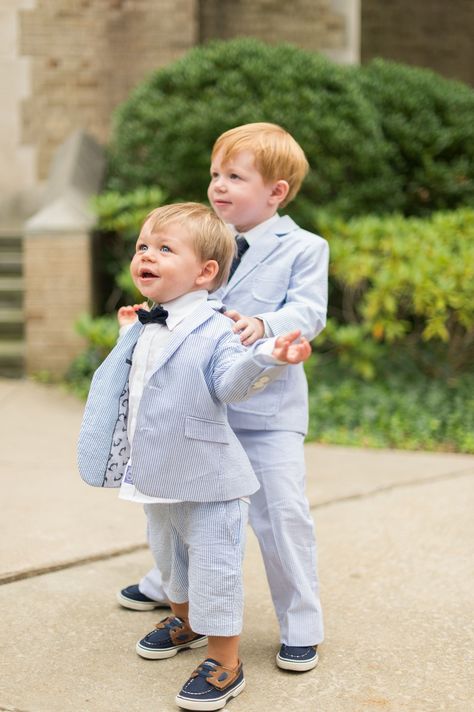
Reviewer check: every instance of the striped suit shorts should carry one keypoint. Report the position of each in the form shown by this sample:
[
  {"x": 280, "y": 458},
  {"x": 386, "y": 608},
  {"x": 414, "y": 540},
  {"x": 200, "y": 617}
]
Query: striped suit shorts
[{"x": 199, "y": 547}]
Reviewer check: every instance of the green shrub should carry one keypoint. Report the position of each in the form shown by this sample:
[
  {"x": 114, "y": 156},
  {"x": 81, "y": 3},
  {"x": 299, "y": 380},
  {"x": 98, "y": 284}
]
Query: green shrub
[
  {"x": 119, "y": 218},
  {"x": 101, "y": 335},
  {"x": 396, "y": 411},
  {"x": 379, "y": 139},
  {"x": 428, "y": 122},
  {"x": 163, "y": 134},
  {"x": 124, "y": 212},
  {"x": 403, "y": 288}
]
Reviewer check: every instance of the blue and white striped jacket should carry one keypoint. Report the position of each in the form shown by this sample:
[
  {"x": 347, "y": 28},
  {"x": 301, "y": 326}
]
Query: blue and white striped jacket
[
  {"x": 183, "y": 446},
  {"x": 283, "y": 277}
]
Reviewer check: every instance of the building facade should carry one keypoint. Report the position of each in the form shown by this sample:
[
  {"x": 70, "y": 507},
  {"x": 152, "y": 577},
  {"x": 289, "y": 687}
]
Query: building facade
[{"x": 66, "y": 65}]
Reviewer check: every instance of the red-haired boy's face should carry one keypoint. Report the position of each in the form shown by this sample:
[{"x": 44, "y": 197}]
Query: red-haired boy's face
[{"x": 238, "y": 193}]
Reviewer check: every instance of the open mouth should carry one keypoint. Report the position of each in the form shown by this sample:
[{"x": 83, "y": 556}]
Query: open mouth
[{"x": 146, "y": 274}]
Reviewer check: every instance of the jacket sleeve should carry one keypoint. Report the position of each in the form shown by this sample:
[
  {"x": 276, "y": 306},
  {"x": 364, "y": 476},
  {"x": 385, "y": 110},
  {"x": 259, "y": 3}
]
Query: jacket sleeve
[
  {"x": 305, "y": 305},
  {"x": 238, "y": 373}
]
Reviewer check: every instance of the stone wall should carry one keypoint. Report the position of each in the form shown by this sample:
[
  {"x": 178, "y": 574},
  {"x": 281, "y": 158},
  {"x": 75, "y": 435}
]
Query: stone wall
[
  {"x": 435, "y": 34},
  {"x": 86, "y": 56},
  {"x": 17, "y": 166},
  {"x": 74, "y": 61},
  {"x": 58, "y": 274},
  {"x": 319, "y": 25}
]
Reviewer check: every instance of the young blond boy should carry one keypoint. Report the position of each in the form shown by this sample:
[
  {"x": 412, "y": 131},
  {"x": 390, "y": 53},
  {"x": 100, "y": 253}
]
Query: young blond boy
[
  {"x": 155, "y": 423},
  {"x": 279, "y": 284}
]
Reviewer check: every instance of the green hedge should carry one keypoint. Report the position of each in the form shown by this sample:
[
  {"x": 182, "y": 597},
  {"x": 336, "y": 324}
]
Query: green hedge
[
  {"x": 165, "y": 131},
  {"x": 427, "y": 121},
  {"x": 402, "y": 291},
  {"x": 379, "y": 139},
  {"x": 396, "y": 411}
]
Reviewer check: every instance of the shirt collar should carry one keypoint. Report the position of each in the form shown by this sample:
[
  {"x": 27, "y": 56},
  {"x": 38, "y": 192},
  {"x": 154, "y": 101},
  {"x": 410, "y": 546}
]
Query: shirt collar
[
  {"x": 179, "y": 308},
  {"x": 256, "y": 232}
]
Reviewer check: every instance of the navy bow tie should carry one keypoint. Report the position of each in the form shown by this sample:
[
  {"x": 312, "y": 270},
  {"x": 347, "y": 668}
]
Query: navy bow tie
[{"x": 157, "y": 315}]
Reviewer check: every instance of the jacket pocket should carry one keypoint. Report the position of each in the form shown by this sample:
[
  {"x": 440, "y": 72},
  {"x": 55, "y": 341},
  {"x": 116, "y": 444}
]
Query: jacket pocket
[
  {"x": 209, "y": 430},
  {"x": 270, "y": 285}
]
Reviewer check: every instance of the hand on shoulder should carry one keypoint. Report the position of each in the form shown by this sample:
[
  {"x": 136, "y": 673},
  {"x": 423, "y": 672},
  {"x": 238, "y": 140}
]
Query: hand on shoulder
[{"x": 250, "y": 328}]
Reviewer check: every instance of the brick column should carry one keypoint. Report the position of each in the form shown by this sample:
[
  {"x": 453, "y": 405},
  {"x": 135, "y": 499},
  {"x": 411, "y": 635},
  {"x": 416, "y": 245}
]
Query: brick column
[
  {"x": 57, "y": 258},
  {"x": 58, "y": 289}
]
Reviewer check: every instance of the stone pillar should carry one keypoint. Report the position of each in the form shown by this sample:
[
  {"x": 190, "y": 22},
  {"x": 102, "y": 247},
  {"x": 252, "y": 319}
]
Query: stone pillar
[
  {"x": 57, "y": 267},
  {"x": 349, "y": 51}
]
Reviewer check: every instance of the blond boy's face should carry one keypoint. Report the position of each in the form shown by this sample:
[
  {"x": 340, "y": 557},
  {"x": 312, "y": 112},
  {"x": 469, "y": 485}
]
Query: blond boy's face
[
  {"x": 165, "y": 265},
  {"x": 238, "y": 193}
]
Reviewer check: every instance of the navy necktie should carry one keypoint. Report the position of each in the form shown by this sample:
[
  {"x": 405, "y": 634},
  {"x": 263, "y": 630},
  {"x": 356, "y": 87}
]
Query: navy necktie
[
  {"x": 242, "y": 247},
  {"x": 157, "y": 315}
]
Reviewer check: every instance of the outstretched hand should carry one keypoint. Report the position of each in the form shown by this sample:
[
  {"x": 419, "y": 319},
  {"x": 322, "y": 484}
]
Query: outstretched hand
[
  {"x": 286, "y": 349},
  {"x": 128, "y": 315}
]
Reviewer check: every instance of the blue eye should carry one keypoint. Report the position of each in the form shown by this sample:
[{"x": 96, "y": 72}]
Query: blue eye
[
  {"x": 142, "y": 247},
  {"x": 165, "y": 248}
]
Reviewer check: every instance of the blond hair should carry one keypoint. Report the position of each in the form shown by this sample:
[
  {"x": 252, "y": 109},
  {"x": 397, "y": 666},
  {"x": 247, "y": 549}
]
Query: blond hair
[
  {"x": 277, "y": 155},
  {"x": 212, "y": 239}
]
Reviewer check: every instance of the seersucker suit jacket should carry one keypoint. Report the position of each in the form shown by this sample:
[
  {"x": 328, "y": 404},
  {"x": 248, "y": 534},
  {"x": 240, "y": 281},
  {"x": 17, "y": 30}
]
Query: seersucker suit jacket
[
  {"x": 183, "y": 446},
  {"x": 283, "y": 278}
]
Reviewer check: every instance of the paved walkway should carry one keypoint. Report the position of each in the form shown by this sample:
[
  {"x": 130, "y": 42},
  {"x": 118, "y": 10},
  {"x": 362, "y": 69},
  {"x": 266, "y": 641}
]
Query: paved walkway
[{"x": 395, "y": 532}]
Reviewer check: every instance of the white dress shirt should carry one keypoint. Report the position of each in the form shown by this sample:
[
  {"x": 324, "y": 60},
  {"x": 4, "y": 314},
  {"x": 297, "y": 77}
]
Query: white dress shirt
[{"x": 151, "y": 342}]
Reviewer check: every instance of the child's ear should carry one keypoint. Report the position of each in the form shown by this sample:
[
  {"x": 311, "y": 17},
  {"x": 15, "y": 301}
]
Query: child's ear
[
  {"x": 208, "y": 273},
  {"x": 279, "y": 192}
]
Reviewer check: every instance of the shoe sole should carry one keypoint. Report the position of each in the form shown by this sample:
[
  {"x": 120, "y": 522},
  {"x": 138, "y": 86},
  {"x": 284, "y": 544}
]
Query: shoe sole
[
  {"x": 150, "y": 654},
  {"x": 302, "y": 666},
  {"x": 139, "y": 605},
  {"x": 203, "y": 706}
]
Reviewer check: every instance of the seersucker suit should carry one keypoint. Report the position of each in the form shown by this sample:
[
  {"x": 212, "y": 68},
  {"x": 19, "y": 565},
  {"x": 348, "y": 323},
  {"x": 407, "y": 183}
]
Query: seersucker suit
[
  {"x": 283, "y": 278},
  {"x": 183, "y": 446}
]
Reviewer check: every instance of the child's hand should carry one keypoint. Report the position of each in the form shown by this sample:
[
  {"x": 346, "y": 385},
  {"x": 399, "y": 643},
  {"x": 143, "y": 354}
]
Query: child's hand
[
  {"x": 250, "y": 327},
  {"x": 287, "y": 350},
  {"x": 127, "y": 315}
]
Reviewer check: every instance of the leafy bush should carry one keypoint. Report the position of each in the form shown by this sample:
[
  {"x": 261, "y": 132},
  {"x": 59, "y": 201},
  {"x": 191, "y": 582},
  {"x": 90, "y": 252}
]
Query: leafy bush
[
  {"x": 428, "y": 123},
  {"x": 165, "y": 131},
  {"x": 403, "y": 288},
  {"x": 119, "y": 219},
  {"x": 124, "y": 212},
  {"x": 101, "y": 335},
  {"x": 389, "y": 369},
  {"x": 379, "y": 138},
  {"x": 395, "y": 411}
]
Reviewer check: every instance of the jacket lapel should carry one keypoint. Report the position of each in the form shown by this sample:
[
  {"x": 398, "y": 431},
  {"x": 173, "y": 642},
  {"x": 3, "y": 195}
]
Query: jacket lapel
[
  {"x": 260, "y": 250},
  {"x": 188, "y": 325}
]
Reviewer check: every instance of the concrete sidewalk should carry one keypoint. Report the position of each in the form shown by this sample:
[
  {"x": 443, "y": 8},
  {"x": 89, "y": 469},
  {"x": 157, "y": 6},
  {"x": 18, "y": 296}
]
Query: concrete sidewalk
[{"x": 395, "y": 534}]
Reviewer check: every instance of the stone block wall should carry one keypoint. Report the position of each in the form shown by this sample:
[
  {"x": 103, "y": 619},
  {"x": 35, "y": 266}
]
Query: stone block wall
[
  {"x": 327, "y": 26},
  {"x": 17, "y": 166},
  {"x": 86, "y": 56},
  {"x": 58, "y": 274},
  {"x": 435, "y": 34},
  {"x": 311, "y": 24}
]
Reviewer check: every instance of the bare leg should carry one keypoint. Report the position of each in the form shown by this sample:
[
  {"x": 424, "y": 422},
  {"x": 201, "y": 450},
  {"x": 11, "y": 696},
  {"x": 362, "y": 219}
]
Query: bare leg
[
  {"x": 181, "y": 610},
  {"x": 223, "y": 649}
]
